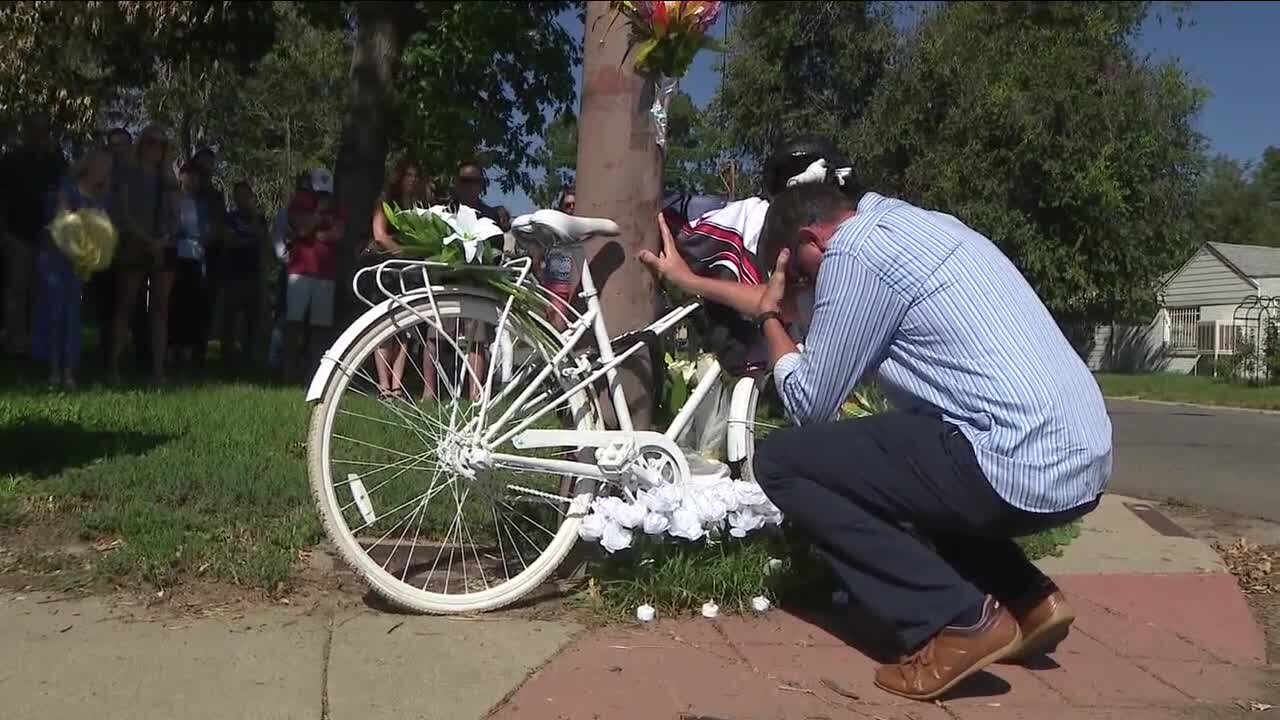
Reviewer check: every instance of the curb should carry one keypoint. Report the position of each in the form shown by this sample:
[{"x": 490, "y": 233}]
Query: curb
[{"x": 1203, "y": 406}]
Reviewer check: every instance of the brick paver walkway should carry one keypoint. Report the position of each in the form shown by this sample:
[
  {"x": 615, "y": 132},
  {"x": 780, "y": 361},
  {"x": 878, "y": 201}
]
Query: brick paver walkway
[{"x": 1143, "y": 647}]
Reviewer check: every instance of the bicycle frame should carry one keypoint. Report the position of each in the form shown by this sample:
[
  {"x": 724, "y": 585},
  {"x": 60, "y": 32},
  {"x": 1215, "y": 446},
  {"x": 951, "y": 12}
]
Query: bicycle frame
[
  {"x": 500, "y": 431},
  {"x": 610, "y": 360}
]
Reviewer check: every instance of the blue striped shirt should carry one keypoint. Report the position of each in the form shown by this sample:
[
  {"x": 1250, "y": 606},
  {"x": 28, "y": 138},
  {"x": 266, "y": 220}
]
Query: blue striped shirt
[{"x": 947, "y": 324}]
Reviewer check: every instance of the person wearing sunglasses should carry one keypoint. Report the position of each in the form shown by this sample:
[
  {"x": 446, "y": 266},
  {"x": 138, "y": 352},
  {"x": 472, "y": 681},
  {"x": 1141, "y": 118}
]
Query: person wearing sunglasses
[{"x": 469, "y": 186}]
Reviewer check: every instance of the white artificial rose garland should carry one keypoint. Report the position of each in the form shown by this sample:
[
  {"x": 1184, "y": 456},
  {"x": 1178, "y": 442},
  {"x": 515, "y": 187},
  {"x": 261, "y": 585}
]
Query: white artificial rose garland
[
  {"x": 710, "y": 502},
  {"x": 687, "y": 510}
]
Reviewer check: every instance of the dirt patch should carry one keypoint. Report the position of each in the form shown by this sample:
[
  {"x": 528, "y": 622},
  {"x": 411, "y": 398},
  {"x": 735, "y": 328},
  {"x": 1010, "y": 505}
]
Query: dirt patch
[
  {"x": 1250, "y": 548},
  {"x": 55, "y": 559}
]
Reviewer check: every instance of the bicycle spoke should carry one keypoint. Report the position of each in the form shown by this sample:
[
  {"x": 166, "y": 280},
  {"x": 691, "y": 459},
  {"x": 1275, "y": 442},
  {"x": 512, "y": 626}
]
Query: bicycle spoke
[{"x": 431, "y": 519}]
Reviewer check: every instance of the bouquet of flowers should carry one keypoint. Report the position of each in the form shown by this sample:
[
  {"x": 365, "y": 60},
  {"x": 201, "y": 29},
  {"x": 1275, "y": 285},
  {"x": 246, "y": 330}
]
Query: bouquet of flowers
[
  {"x": 438, "y": 234},
  {"x": 460, "y": 239},
  {"x": 87, "y": 238},
  {"x": 667, "y": 35}
]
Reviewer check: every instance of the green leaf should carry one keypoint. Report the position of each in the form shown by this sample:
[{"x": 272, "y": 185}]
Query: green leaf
[{"x": 643, "y": 50}]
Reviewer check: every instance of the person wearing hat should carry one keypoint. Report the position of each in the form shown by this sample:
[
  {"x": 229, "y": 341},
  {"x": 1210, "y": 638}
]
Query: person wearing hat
[{"x": 311, "y": 268}]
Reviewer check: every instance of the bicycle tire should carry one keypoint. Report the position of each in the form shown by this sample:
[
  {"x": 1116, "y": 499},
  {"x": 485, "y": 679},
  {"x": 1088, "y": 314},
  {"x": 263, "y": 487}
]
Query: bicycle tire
[{"x": 386, "y": 585}]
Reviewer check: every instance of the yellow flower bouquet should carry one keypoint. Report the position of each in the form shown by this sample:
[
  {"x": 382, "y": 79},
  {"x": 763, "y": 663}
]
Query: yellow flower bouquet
[{"x": 87, "y": 238}]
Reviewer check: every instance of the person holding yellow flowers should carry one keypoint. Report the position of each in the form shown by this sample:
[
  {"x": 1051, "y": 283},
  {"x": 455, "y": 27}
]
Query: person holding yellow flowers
[{"x": 80, "y": 242}]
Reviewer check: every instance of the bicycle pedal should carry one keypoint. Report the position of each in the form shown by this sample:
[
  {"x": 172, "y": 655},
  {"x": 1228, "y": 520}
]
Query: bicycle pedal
[{"x": 613, "y": 458}]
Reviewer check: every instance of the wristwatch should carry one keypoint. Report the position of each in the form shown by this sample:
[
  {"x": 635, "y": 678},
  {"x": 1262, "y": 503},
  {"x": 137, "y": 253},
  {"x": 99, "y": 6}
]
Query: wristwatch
[{"x": 764, "y": 317}]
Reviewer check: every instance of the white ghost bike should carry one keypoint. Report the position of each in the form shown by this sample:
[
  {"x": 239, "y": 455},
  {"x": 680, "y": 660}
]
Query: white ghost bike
[{"x": 464, "y": 491}]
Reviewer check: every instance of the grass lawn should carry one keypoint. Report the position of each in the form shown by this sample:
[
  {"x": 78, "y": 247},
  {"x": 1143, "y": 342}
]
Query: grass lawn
[
  {"x": 1190, "y": 389},
  {"x": 206, "y": 480},
  {"x": 209, "y": 481}
]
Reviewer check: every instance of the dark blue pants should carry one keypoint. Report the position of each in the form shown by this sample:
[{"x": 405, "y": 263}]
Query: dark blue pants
[{"x": 874, "y": 494}]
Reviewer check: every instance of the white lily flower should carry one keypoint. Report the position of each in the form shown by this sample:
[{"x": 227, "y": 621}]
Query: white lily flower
[{"x": 471, "y": 230}]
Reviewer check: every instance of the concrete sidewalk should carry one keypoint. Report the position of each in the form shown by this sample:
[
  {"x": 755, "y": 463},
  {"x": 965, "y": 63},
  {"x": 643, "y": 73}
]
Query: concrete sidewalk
[
  {"x": 79, "y": 659},
  {"x": 1162, "y": 632},
  {"x": 1162, "y": 629}
]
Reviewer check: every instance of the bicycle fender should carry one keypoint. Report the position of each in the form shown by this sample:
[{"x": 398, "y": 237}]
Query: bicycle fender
[
  {"x": 330, "y": 362},
  {"x": 739, "y": 422}
]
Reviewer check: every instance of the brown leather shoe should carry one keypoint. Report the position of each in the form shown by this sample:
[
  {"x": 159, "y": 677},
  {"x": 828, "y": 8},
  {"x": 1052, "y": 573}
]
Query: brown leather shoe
[
  {"x": 1044, "y": 623},
  {"x": 952, "y": 655}
]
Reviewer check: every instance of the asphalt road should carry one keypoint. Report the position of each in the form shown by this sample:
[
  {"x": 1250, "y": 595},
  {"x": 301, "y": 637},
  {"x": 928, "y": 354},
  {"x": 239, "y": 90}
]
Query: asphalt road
[{"x": 1217, "y": 458}]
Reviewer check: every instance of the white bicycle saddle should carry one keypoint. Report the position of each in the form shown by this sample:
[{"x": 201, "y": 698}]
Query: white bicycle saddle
[{"x": 552, "y": 227}]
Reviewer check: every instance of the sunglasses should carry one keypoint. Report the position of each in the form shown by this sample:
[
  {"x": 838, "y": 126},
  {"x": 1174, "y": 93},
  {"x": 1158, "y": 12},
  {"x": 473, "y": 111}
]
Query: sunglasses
[{"x": 470, "y": 180}]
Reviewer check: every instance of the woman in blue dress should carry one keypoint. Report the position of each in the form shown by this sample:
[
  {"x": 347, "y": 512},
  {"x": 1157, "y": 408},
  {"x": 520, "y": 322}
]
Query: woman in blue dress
[{"x": 56, "y": 315}]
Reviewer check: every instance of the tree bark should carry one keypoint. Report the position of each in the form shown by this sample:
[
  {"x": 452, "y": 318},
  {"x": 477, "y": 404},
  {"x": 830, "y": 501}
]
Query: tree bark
[
  {"x": 381, "y": 30},
  {"x": 619, "y": 176}
]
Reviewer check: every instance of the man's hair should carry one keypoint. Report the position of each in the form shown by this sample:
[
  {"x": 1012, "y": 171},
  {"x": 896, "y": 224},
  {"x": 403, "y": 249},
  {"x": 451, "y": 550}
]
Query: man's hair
[
  {"x": 120, "y": 132},
  {"x": 796, "y": 207},
  {"x": 470, "y": 162}
]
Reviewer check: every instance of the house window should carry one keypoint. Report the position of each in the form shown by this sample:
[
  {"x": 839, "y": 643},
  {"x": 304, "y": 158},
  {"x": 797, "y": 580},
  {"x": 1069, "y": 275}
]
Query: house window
[{"x": 1182, "y": 328}]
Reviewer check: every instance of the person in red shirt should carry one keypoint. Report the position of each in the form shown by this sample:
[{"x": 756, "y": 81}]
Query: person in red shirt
[{"x": 318, "y": 225}]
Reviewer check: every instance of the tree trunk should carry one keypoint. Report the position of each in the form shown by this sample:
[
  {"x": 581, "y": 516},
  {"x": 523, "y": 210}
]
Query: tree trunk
[
  {"x": 381, "y": 29},
  {"x": 619, "y": 176}
]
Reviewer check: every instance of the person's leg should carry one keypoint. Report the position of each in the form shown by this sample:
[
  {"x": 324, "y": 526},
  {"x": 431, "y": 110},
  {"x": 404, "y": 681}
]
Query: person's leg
[
  {"x": 382, "y": 364},
  {"x": 851, "y": 486},
  {"x": 161, "y": 302},
  {"x": 252, "y": 308},
  {"x": 140, "y": 319},
  {"x": 180, "y": 316},
  {"x": 102, "y": 291},
  {"x": 998, "y": 566},
  {"x": 19, "y": 264},
  {"x": 201, "y": 313},
  {"x": 46, "y": 315},
  {"x": 430, "y": 362},
  {"x": 299, "y": 291},
  {"x": 321, "y": 323},
  {"x": 230, "y": 319},
  {"x": 399, "y": 359},
  {"x": 72, "y": 339},
  {"x": 128, "y": 287}
]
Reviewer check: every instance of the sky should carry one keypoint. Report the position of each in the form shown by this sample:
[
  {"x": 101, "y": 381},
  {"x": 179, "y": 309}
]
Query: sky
[{"x": 1230, "y": 48}]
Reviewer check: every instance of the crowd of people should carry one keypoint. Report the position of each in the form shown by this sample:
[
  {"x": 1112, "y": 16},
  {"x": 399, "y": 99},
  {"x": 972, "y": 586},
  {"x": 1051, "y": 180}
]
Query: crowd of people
[{"x": 190, "y": 265}]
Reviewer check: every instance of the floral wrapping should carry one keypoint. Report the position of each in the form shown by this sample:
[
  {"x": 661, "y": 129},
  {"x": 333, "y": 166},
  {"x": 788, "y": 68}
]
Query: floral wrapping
[{"x": 664, "y": 90}]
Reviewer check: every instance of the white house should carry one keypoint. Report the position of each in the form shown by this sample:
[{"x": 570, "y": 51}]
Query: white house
[{"x": 1222, "y": 294}]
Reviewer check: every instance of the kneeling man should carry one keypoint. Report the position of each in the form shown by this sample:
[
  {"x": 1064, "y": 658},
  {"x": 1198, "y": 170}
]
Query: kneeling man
[{"x": 999, "y": 430}]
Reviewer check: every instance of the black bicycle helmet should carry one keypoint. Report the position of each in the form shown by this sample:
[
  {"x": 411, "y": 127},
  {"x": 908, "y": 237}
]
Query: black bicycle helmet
[{"x": 796, "y": 155}]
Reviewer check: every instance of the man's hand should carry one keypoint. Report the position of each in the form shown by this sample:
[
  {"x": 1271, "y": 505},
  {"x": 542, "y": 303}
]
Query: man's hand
[
  {"x": 771, "y": 300},
  {"x": 669, "y": 265}
]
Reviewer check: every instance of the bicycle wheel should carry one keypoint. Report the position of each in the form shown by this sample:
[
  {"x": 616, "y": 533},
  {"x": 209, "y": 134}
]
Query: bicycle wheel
[{"x": 403, "y": 510}]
